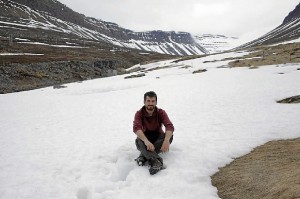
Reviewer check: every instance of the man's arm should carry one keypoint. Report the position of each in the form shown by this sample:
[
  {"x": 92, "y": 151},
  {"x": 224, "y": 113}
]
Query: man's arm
[
  {"x": 140, "y": 134},
  {"x": 166, "y": 144},
  {"x": 169, "y": 131}
]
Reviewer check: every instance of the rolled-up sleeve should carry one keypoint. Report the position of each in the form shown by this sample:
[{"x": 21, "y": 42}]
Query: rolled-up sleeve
[
  {"x": 166, "y": 121},
  {"x": 137, "y": 123}
]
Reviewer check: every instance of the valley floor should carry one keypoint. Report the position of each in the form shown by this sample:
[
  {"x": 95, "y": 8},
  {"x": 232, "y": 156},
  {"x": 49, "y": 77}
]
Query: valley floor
[{"x": 77, "y": 142}]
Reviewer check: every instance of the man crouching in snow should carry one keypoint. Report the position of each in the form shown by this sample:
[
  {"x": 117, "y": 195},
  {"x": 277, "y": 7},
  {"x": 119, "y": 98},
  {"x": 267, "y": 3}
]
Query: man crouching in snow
[{"x": 151, "y": 139}]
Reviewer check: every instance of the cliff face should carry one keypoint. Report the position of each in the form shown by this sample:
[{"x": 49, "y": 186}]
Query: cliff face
[
  {"x": 292, "y": 15},
  {"x": 19, "y": 77}
]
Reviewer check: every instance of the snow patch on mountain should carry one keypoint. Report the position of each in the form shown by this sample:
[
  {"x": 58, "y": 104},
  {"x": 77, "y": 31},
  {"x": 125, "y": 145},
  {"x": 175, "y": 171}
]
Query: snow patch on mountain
[{"x": 216, "y": 43}]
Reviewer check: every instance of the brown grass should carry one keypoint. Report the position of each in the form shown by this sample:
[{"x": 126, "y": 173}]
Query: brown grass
[
  {"x": 268, "y": 55},
  {"x": 268, "y": 172}
]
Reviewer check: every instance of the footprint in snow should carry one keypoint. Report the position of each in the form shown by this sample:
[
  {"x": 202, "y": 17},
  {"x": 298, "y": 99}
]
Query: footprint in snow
[
  {"x": 84, "y": 193},
  {"x": 122, "y": 168}
]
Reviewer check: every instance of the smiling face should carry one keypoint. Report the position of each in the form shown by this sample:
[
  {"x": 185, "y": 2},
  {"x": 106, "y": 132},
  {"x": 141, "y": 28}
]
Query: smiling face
[{"x": 150, "y": 103}]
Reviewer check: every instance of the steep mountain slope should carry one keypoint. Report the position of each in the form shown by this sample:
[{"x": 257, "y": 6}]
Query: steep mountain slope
[
  {"x": 175, "y": 43},
  {"x": 293, "y": 14},
  {"x": 288, "y": 30},
  {"x": 25, "y": 18}
]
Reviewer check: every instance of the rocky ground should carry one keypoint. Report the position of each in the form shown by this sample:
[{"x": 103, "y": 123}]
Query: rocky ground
[
  {"x": 55, "y": 64},
  {"x": 290, "y": 100},
  {"x": 269, "y": 55},
  {"x": 261, "y": 56}
]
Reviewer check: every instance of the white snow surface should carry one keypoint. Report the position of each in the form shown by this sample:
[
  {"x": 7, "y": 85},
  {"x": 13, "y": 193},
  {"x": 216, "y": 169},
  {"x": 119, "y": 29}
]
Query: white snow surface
[
  {"x": 58, "y": 46},
  {"x": 217, "y": 43},
  {"x": 12, "y": 54},
  {"x": 77, "y": 142}
]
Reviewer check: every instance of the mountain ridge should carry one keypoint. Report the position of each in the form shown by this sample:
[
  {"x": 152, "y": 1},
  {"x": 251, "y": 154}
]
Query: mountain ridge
[
  {"x": 287, "y": 31},
  {"x": 292, "y": 15},
  {"x": 51, "y": 15}
]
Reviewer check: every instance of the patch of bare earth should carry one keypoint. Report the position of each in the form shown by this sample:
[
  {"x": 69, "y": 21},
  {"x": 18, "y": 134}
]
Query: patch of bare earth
[
  {"x": 271, "y": 171},
  {"x": 290, "y": 100},
  {"x": 268, "y": 55}
]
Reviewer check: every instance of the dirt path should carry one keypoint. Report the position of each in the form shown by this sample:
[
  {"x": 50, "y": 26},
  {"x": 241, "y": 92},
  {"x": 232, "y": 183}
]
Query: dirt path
[{"x": 271, "y": 171}]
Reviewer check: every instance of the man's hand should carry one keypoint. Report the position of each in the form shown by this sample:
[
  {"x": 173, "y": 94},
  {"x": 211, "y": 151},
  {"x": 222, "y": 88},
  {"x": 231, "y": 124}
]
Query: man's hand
[
  {"x": 165, "y": 146},
  {"x": 149, "y": 145}
]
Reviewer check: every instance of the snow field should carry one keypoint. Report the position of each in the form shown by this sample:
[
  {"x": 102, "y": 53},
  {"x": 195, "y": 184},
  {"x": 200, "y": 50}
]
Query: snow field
[{"x": 77, "y": 142}]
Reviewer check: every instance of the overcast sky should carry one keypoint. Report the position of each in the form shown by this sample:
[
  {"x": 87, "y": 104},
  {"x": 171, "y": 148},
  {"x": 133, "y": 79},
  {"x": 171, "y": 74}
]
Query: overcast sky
[{"x": 246, "y": 19}]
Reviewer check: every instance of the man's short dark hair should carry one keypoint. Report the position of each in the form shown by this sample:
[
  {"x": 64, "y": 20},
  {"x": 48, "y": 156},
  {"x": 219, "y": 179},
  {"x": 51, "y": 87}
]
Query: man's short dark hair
[{"x": 150, "y": 94}]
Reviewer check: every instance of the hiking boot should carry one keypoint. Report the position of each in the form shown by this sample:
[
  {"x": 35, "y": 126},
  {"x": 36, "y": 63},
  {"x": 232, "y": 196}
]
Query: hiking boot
[
  {"x": 155, "y": 165},
  {"x": 141, "y": 160}
]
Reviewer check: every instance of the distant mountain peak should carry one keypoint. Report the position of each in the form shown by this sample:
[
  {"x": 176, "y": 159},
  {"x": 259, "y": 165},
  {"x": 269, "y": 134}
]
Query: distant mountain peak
[{"x": 216, "y": 43}]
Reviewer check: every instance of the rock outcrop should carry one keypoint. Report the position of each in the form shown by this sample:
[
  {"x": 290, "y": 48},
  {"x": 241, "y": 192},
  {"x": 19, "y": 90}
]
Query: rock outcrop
[{"x": 20, "y": 77}]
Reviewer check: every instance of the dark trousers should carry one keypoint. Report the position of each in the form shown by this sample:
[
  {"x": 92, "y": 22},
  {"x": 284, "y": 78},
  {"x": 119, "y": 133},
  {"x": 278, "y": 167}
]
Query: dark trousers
[{"x": 157, "y": 144}]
